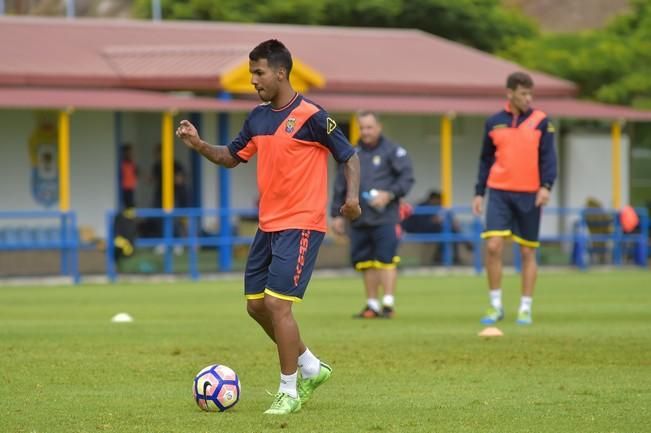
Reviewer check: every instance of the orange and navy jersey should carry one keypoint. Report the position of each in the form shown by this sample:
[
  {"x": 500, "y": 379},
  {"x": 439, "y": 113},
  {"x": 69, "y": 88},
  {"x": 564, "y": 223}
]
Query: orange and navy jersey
[
  {"x": 292, "y": 143},
  {"x": 518, "y": 153}
]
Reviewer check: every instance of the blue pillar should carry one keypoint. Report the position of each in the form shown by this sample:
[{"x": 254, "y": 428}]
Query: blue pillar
[
  {"x": 477, "y": 228},
  {"x": 225, "y": 230},
  {"x": 618, "y": 240},
  {"x": 111, "y": 271},
  {"x": 74, "y": 249},
  {"x": 193, "y": 247},
  {"x": 195, "y": 162},
  {"x": 65, "y": 248},
  {"x": 447, "y": 232},
  {"x": 168, "y": 235},
  {"x": 644, "y": 235},
  {"x": 117, "y": 137}
]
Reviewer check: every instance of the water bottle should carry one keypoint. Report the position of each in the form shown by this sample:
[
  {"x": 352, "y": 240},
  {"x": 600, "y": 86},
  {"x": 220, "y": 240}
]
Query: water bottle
[{"x": 369, "y": 196}]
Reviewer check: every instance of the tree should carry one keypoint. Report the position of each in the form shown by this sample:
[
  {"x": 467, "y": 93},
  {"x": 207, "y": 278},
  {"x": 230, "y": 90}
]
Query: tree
[
  {"x": 611, "y": 65},
  {"x": 483, "y": 24}
]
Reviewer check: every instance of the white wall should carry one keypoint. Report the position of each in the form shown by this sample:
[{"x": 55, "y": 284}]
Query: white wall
[
  {"x": 419, "y": 135},
  {"x": 588, "y": 168},
  {"x": 92, "y": 167},
  {"x": 586, "y": 158},
  {"x": 92, "y": 164},
  {"x": 15, "y": 166},
  {"x": 209, "y": 186}
]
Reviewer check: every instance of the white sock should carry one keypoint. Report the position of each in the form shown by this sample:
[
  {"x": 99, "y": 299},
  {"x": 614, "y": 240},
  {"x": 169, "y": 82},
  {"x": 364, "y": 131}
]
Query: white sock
[
  {"x": 288, "y": 384},
  {"x": 309, "y": 364},
  {"x": 496, "y": 298},
  {"x": 525, "y": 303},
  {"x": 388, "y": 300},
  {"x": 373, "y": 304}
]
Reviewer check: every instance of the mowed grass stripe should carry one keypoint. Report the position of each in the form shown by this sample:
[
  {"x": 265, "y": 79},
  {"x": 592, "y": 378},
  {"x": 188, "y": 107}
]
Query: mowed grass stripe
[{"x": 583, "y": 366}]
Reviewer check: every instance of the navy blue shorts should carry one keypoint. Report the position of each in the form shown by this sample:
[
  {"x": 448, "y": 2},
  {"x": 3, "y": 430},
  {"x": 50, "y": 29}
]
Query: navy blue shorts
[
  {"x": 515, "y": 214},
  {"x": 374, "y": 247},
  {"x": 280, "y": 263}
]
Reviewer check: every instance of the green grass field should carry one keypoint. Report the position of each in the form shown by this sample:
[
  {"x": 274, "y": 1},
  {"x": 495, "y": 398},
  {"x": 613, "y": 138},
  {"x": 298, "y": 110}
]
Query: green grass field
[{"x": 584, "y": 366}]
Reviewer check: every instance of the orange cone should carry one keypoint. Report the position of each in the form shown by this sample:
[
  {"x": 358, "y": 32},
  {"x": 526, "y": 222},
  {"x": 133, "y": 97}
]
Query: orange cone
[{"x": 491, "y": 331}]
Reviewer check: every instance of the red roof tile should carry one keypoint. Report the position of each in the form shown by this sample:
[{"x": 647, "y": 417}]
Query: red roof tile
[
  {"x": 170, "y": 54},
  {"x": 154, "y": 66},
  {"x": 113, "y": 99},
  {"x": 138, "y": 100},
  {"x": 555, "y": 107}
]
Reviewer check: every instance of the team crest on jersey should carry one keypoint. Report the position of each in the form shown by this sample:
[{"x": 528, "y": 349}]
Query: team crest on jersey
[
  {"x": 377, "y": 160},
  {"x": 290, "y": 124}
]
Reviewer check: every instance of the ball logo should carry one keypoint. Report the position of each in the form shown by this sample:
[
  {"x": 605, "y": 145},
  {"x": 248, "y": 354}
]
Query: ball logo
[
  {"x": 216, "y": 388},
  {"x": 289, "y": 126}
]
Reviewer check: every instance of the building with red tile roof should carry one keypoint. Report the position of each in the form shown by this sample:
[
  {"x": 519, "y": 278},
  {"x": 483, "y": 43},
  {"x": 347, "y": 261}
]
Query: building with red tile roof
[{"x": 108, "y": 80}]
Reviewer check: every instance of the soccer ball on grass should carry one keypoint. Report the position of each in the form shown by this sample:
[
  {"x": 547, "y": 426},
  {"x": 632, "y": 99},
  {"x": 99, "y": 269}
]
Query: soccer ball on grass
[{"x": 216, "y": 388}]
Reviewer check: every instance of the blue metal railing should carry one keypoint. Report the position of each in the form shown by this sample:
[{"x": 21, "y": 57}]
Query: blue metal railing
[
  {"x": 63, "y": 237},
  {"x": 608, "y": 230},
  {"x": 193, "y": 240},
  {"x": 578, "y": 237},
  {"x": 448, "y": 236}
]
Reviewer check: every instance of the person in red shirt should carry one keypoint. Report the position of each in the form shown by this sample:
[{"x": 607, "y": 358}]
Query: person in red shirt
[
  {"x": 292, "y": 137},
  {"x": 518, "y": 165},
  {"x": 128, "y": 176}
]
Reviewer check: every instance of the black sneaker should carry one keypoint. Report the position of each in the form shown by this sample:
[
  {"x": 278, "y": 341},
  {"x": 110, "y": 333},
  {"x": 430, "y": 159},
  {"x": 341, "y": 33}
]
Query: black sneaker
[
  {"x": 388, "y": 312},
  {"x": 367, "y": 313}
]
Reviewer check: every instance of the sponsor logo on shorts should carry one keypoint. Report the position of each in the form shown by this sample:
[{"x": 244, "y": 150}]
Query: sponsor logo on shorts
[{"x": 302, "y": 249}]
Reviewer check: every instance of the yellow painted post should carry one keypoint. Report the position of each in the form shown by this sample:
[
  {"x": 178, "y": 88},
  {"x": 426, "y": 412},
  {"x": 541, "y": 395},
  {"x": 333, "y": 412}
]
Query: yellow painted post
[
  {"x": 353, "y": 133},
  {"x": 616, "y": 157},
  {"x": 167, "y": 160},
  {"x": 64, "y": 160},
  {"x": 446, "y": 160}
]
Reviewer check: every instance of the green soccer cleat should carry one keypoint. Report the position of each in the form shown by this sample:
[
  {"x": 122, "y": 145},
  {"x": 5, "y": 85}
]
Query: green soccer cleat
[
  {"x": 524, "y": 318},
  {"x": 307, "y": 386},
  {"x": 284, "y": 404},
  {"x": 493, "y": 315}
]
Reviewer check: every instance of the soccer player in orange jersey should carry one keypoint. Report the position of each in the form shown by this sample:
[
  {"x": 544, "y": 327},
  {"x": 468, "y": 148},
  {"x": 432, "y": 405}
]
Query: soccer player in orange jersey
[
  {"x": 518, "y": 165},
  {"x": 292, "y": 137}
]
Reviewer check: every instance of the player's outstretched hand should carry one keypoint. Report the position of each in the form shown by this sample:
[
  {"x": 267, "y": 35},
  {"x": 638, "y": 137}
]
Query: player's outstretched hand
[
  {"x": 350, "y": 209},
  {"x": 188, "y": 133}
]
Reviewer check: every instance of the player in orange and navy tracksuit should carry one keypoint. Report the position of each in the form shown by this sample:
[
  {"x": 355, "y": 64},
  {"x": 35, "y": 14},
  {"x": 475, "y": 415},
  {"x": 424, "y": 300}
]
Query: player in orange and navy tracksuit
[
  {"x": 518, "y": 167},
  {"x": 293, "y": 138}
]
